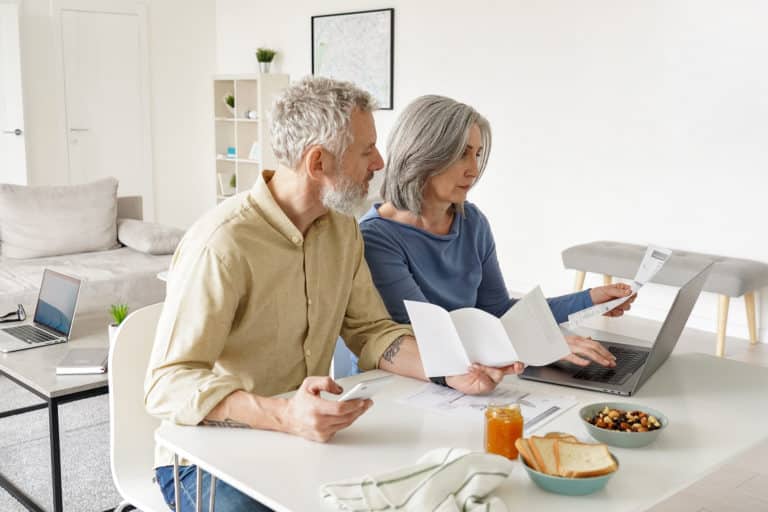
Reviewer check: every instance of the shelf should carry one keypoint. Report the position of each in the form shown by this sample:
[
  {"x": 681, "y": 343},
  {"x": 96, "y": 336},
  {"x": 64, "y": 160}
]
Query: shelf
[
  {"x": 238, "y": 160},
  {"x": 238, "y": 119},
  {"x": 248, "y": 140}
]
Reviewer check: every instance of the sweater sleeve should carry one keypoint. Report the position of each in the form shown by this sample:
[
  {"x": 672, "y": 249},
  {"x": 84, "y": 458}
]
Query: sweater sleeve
[{"x": 390, "y": 272}]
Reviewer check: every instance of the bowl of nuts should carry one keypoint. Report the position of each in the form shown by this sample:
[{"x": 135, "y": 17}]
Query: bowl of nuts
[{"x": 622, "y": 424}]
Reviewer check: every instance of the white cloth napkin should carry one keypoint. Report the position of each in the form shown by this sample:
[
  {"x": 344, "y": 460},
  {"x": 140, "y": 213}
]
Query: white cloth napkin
[{"x": 443, "y": 480}]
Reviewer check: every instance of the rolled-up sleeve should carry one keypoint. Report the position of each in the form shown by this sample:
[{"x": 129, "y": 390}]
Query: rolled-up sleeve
[
  {"x": 368, "y": 329},
  {"x": 182, "y": 385}
]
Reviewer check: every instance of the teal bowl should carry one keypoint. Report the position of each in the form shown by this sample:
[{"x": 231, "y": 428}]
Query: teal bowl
[
  {"x": 569, "y": 486},
  {"x": 619, "y": 438}
]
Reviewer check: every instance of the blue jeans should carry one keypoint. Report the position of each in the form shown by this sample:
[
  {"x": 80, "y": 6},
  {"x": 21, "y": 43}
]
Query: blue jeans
[{"x": 227, "y": 499}]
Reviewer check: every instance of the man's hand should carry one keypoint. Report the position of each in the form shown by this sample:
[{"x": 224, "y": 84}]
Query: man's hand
[
  {"x": 480, "y": 379},
  {"x": 586, "y": 350},
  {"x": 613, "y": 291},
  {"x": 308, "y": 415}
]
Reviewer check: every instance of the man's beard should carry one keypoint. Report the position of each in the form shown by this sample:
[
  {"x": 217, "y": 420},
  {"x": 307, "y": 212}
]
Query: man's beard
[{"x": 345, "y": 196}]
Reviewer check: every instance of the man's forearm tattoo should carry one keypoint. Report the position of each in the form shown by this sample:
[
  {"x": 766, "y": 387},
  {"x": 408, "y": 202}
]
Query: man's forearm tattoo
[
  {"x": 393, "y": 349},
  {"x": 226, "y": 423}
]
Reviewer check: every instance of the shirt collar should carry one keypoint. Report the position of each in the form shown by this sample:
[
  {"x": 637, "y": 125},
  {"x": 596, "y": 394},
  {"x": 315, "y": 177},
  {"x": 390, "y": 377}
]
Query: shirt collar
[{"x": 262, "y": 197}]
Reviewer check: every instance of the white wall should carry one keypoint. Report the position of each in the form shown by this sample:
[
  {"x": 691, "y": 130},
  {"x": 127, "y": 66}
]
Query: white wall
[
  {"x": 635, "y": 121},
  {"x": 182, "y": 61},
  {"x": 182, "y": 64}
]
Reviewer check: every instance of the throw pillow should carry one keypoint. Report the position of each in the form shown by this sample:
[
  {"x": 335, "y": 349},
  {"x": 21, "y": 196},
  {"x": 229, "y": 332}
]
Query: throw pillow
[
  {"x": 38, "y": 221},
  {"x": 148, "y": 237}
]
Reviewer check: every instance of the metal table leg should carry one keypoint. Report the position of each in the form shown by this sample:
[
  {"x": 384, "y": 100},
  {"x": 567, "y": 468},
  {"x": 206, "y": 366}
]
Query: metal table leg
[{"x": 53, "y": 430}]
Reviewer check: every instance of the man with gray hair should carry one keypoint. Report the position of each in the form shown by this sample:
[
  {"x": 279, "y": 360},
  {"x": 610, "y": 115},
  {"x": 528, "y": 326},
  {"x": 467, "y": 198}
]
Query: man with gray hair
[{"x": 261, "y": 287}]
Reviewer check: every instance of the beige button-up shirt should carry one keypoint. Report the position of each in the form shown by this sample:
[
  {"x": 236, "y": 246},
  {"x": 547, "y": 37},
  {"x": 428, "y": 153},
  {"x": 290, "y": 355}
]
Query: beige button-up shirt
[{"x": 253, "y": 304}]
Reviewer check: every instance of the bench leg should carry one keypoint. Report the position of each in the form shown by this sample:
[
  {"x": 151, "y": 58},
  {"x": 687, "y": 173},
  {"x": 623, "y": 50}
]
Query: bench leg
[
  {"x": 579, "y": 283},
  {"x": 722, "y": 320},
  {"x": 749, "y": 302},
  {"x": 607, "y": 279}
]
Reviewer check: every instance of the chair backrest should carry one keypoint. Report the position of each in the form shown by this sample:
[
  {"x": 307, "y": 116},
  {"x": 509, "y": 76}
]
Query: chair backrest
[{"x": 132, "y": 429}]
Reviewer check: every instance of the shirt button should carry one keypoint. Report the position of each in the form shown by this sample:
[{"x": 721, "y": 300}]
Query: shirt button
[
  {"x": 309, "y": 301},
  {"x": 308, "y": 352},
  {"x": 295, "y": 239}
]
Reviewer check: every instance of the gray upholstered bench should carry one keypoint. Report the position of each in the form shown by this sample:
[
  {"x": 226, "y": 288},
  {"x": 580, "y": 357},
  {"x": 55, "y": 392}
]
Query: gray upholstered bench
[{"x": 730, "y": 277}]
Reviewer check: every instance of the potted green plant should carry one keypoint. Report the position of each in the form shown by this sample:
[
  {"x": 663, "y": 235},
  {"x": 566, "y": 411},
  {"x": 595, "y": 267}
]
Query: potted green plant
[
  {"x": 233, "y": 182},
  {"x": 118, "y": 312},
  {"x": 265, "y": 56},
  {"x": 229, "y": 101}
]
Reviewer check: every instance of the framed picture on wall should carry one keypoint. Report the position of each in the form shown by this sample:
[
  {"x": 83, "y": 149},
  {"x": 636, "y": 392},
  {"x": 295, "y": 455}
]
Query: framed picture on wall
[{"x": 358, "y": 47}]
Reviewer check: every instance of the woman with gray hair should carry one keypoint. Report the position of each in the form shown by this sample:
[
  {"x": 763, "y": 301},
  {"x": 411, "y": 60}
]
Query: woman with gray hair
[{"x": 427, "y": 243}]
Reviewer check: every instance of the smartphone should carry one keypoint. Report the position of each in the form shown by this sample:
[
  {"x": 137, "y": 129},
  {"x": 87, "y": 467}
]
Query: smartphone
[{"x": 366, "y": 388}]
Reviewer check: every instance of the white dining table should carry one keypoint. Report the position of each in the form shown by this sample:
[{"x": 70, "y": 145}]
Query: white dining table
[{"x": 715, "y": 408}]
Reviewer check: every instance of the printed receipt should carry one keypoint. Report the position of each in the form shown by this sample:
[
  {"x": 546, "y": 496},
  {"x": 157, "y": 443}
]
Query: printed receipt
[{"x": 653, "y": 261}]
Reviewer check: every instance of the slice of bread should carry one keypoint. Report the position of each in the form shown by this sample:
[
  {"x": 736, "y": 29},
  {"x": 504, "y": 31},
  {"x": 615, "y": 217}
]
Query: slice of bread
[
  {"x": 562, "y": 436},
  {"x": 543, "y": 450},
  {"x": 524, "y": 450},
  {"x": 579, "y": 460}
]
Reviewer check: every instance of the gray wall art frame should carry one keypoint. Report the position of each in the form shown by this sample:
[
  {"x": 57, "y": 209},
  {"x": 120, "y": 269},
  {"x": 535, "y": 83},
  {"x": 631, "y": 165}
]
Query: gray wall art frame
[{"x": 358, "y": 47}]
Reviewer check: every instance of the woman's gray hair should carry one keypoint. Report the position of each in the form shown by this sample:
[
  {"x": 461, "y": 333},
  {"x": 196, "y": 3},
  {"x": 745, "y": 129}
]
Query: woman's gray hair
[
  {"x": 430, "y": 135},
  {"x": 315, "y": 111}
]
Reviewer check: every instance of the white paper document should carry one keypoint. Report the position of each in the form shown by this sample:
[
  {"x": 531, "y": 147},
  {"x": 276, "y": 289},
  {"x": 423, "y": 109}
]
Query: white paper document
[
  {"x": 653, "y": 261},
  {"x": 537, "y": 409},
  {"x": 450, "y": 342}
]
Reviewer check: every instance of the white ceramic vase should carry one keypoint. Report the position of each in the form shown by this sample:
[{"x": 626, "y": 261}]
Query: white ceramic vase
[{"x": 112, "y": 333}]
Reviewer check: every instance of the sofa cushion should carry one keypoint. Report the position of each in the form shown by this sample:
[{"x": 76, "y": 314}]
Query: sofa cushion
[
  {"x": 118, "y": 276},
  {"x": 148, "y": 237},
  {"x": 38, "y": 221}
]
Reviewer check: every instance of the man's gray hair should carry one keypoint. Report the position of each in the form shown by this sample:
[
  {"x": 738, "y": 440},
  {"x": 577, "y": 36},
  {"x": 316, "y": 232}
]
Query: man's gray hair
[
  {"x": 315, "y": 111},
  {"x": 430, "y": 135}
]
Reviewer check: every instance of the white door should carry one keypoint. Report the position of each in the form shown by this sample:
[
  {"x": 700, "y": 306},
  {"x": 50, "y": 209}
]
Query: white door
[
  {"x": 105, "y": 80},
  {"x": 13, "y": 159}
]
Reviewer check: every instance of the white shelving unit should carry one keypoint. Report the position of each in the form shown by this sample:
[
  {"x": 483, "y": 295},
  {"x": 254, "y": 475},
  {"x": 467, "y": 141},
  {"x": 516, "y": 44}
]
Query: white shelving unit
[{"x": 248, "y": 137}]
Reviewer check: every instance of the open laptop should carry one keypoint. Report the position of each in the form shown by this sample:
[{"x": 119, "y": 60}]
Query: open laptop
[
  {"x": 54, "y": 315},
  {"x": 634, "y": 364}
]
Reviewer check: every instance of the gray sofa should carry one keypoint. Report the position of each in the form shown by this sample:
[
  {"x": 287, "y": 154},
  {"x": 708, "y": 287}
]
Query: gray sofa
[{"x": 117, "y": 274}]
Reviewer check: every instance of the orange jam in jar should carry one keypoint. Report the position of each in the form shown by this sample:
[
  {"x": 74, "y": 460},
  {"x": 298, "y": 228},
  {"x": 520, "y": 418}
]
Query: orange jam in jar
[{"x": 503, "y": 426}]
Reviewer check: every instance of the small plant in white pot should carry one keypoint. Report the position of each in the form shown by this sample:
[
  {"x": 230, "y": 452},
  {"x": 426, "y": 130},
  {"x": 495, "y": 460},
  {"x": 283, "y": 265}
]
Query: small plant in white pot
[
  {"x": 265, "y": 56},
  {"x": 229, "y": 101},
  {"x": 118, "y": 313}
]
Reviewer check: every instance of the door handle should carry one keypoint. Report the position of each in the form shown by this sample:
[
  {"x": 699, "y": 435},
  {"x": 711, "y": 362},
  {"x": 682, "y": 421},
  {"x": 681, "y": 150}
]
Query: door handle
[
  {"x": 78, "y": 129},
  {"x": 17, "y": 131}
]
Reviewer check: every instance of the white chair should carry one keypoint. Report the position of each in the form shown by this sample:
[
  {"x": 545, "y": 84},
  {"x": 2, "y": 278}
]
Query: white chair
[{"x": 132, "y": 429}]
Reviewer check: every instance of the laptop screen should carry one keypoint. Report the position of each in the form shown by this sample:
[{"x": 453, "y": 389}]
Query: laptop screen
[{"x": 57, "y": 302}]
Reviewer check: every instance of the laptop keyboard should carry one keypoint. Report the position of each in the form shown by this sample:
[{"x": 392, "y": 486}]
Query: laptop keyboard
[
  {"x": 29, "y": 334},
  {"x": 627, "y": 361}
]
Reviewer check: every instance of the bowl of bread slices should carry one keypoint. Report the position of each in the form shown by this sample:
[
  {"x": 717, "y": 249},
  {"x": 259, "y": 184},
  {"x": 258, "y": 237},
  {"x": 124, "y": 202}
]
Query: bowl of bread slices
[
  {"x": 562, "y": 464},
  {"x": 623, "y": 424}
]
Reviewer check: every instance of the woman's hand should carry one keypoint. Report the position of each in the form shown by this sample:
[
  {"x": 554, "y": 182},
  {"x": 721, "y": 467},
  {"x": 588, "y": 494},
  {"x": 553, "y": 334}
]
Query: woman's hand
[
  {"x": 613, "y": 291},
  {"x": 480, "y": 379},
  {"x": 586, "y": 350}
]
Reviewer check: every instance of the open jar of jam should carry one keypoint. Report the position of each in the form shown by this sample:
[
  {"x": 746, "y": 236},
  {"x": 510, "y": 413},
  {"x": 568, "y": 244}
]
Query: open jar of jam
[{"x": 503, "y": 426}]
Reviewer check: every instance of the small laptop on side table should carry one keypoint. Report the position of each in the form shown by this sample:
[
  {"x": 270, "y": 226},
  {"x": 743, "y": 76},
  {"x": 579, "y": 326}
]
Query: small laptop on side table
[{"x": 54, "y": 315}]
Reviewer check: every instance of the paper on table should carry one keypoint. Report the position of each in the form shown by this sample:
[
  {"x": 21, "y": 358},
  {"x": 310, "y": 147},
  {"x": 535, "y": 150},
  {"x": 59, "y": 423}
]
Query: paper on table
[
  {"x": 653, "y": 261},
  {"x": 449, "y": 342},
  {"x": 537, "y": 408}
]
